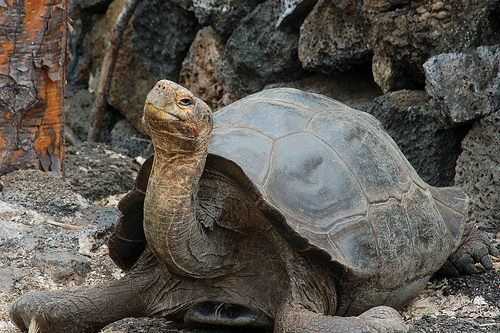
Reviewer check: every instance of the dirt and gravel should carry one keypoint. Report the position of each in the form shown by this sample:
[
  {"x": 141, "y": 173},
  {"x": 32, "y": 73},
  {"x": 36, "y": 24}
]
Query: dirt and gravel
[{"x": 53, "y": 231}]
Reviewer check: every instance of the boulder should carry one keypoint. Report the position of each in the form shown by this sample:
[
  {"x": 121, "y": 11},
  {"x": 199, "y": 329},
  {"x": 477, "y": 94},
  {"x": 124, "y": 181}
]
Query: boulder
[
  {"x": 184, "y": 4},
  {"x": 77, "y": 107},
  {"x": 376, "y": 6},
  {"x": 405, "y": 34},
  {"x": 354, "y": 87},
  {"x": 334, "y": 36},
  {"x": 163, "y": 33},
  {"x": 464, "y": 86},
  {"x": 431, "y": 150},
  {"x": 223, "y": 15},
  {"x": 126, "y": 97},
  {"x": 81, "y": 16},
  {"x": 258, "y": 53},
  {"x": 130, "y": 83},
  {"x": 294, "y": 11},
  {"x": 198, "y": 69},
  {"x": 478, "y": 170}
]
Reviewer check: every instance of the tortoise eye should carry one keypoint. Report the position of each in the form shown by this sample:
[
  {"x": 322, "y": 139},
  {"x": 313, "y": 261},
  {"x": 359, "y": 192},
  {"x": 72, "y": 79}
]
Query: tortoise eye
[{"x": 186, "y": 101}]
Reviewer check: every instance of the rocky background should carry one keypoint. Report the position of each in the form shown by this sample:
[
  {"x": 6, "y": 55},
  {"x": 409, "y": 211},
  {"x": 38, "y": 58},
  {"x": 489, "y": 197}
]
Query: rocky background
[{"x": 428, "y": 70}]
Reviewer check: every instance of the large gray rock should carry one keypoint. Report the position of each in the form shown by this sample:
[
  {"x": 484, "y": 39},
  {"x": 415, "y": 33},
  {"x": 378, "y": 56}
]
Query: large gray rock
[
  {"x": 294, "y": 11},
  {"x": 464, "y": 86},
  {"x": 198, "y": 69},
  {"x": 81, "y": 14},
  {"x": 184, "y": 4},
  {"x": 163, "y": 34},
  {"x": 431, "y": 150},
  {"x": 223, "y": 15},
  {"x": 334, "y": 36},
  {"x": 77, "y": 107},
  {"x": 405, "y": 34},
  {"x": 258, "y": 53},
  {"x": 130, "y": 83},
  {"x": 353, "y": 87},
  {"x": 478, "y": 170}
]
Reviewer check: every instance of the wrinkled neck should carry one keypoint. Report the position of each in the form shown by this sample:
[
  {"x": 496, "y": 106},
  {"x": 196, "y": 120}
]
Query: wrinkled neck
[{"x": 170, "y": 209}]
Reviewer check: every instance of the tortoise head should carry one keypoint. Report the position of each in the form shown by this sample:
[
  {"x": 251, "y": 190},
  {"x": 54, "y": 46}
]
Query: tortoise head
[{"x": 174, "y": 117}]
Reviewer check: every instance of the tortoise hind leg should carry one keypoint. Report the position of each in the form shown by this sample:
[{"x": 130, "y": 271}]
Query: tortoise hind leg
[
  {"x": 377, "y": 319},
  {"x": 88, "y": 309}
]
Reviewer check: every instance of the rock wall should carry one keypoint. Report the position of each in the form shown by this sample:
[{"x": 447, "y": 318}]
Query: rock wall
[{"x": 437, "y": 62}]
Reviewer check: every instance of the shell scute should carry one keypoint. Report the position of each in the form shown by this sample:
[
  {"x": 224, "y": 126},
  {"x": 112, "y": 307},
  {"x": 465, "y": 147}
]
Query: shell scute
[
  {"x": 285, "y": 119},
  {"x": 380, "y": 171},
  {"x": 234, "y": 142},
  {"x": 296, "y": 184}
]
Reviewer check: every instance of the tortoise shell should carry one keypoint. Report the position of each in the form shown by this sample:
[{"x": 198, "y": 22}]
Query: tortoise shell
[{"x": 333, "y": 183}]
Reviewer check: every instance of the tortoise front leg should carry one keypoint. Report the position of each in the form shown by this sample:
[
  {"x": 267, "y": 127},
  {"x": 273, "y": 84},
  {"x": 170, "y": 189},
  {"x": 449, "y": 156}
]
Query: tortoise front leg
[
  {"x": 77, "y": 309},
  {"x": 88, "y": 309},
  {"x": 377, "y": 319}
]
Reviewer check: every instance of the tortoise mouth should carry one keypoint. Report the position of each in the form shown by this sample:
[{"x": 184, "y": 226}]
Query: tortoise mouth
[
  {"x": 169, "y": 120},
  {"x": 160, "y": 115}
]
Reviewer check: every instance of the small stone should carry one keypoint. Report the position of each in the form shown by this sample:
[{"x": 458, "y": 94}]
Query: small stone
[
  {"x": 8, "y": 277},
  {"x": 62, "y": 266},
  {"x": 101, "y": 222}
]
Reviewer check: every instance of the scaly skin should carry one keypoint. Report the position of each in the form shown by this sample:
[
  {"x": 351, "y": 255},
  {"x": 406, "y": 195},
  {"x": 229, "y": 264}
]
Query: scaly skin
[
  {"x": 87, "y": 309},
  {"x": 77, "y": 310},
  {"x": 378, "y": 319},
  {"x": 475, "y": 247}
]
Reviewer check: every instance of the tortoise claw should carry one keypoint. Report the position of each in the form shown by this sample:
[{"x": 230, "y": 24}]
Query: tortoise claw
[
  {"x": 476, "y": 247},
  {"x": 380, "y": 319}
]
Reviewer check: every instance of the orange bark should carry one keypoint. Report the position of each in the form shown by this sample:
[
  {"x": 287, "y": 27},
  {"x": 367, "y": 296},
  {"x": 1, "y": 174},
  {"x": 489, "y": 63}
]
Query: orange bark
[{"x": 32, "y": 80}]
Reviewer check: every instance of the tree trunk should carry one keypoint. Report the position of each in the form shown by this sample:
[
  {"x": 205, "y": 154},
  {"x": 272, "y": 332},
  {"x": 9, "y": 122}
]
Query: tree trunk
[{"x": 32, "y": 81}]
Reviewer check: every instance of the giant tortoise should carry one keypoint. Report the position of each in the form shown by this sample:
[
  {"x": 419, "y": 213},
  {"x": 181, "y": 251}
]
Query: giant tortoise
[{"x": 284, "y": 210}]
